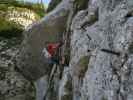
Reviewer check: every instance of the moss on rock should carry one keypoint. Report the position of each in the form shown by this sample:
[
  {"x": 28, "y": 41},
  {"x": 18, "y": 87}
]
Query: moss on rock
[
  {"x": 68, "y": 90},
  {"x": 83, "y": 65},
  {"x": 104, "y": 98},
  {"x": 80, "y": 4},
  {"x": 130, "y": 48},
  {"x": 68, "y": 86},
  {"x": 66, "y": 97}
]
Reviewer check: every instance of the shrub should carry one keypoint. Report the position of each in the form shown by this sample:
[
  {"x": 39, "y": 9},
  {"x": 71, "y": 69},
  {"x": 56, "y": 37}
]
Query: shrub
[
  {"x": 36, "y": 7},
  {"x": 53, "y": 4},
  {"x": 9, "y": 29}
]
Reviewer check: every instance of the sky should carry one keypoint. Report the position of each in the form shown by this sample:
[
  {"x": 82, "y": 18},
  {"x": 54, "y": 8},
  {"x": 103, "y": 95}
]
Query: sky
[{"x": 46, "y": 2}]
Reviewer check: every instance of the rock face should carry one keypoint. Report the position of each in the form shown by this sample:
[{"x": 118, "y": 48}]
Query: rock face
[
  {"x": 101, "y": 44},
  {"x": 107, "y": 42},
  {"x": 13, "y": 86}
]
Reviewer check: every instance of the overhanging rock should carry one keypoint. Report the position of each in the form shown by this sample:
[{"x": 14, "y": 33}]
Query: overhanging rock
[{"x": 30, "y": 60}]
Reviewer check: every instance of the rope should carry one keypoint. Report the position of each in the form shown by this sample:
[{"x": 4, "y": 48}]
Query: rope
[{"x": 50, "y": 80}]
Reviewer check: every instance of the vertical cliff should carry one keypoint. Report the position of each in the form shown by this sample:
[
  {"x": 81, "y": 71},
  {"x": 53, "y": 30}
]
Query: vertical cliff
[
  {"x": 101, "y": 60},
  {"x": 103, "y": 33}
]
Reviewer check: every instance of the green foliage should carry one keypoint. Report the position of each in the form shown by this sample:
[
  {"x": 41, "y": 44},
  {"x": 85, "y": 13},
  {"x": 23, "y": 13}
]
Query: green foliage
[
  {"x": 9, "y": 29},
  {"x": 53, "y": 4},
  {"x": 83, "y": 65},
  {"x": 37, "y": 8},
  {"x": 3, "y": 7}
]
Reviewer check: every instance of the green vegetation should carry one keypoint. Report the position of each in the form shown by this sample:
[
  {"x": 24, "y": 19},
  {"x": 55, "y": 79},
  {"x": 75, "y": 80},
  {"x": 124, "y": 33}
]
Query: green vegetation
[
  {"x": 37, "y": 8},
  {"x": 53, "y": 4},
  {"x": 9, "y": 29},
  {"x": 83, "y": 65}
]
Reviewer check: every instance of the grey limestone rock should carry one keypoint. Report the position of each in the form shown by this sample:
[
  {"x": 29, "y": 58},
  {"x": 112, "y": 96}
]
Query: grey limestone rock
[{"x": 101, "y": 49}]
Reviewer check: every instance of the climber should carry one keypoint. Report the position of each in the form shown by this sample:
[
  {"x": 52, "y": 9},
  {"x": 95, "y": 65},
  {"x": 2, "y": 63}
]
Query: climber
[{"x": 51, "y": 52}]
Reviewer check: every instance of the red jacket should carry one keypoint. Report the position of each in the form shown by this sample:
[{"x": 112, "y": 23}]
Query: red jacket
[{"x": 52, "y": 47}]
